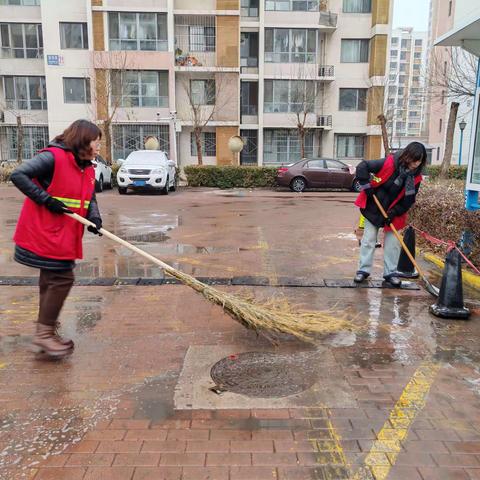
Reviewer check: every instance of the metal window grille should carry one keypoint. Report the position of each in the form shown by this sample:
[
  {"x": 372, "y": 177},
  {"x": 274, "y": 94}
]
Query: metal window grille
[
  {"x": 281, "y": 146},
  {"x": 21, "y": 40},
  {"x": 129, "y": 138},
  {"x": 34, "y": 139},
  {"x": 248, "y": 155},
  {"x": 209, "y": 144},
  {"x": 195, "y": 40}
]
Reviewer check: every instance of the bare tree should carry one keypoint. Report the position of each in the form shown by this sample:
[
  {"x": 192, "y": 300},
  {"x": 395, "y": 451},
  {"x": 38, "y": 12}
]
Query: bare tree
[
  {"x": 110, "y": 91},
  {"x": 206, "y": 98},
  {"x": 447, "y": 156}
]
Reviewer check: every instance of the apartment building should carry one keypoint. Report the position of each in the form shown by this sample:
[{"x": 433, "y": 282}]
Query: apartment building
[
  {"x": 406, "y": 101},
  {"x": 173, "y": 68}
]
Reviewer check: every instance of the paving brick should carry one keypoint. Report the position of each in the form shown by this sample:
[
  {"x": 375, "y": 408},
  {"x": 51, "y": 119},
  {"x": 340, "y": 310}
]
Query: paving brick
[
  {"x": 183, "y": 459},
  {"x": 137, "y": 459},
  {"x": 123, "y": 424},
  {"x": 404, "y": 473},
  {"x": 426, "y": 446},
  {"x": 208, "y": 446},
  {"x": 205, "y": 473},
  {"x": 253, "y": 473},
  {"x": 85, "y": 446},
  {"x": 228, "y": 459},
  {"x": 412, "y": 459},
  {"x": 188, "y": 434},
  {"x": 105, "y": 435},
  {"x": 444, "y": 473},
  {"x": 157, "y": 473},
  {"x": 146, "y": 435},
  {"x": 456, "y": 460},
  {"x": 171, "y": 423},
  {"x": 172, "y": 446},
  {"x": 307, "y": 473},
  {"x": 230, "y": 435},
  {"x": 233, "y": 413},
  {"x": 124, "y": 446},
  {"x": 251, "y": 446},
  {"x": 271, "y": 413},
  {"x": 438, "y": 434},
  {"x": 109, "y": 473},
  {"x": 60, "y": 474},
  {"x": 463, "y": 447},
  {"x": 321, "y": 458},
  {"x": 274, "y": 459},
  {"x": 293, "y": 446},
  {"x": 474, "y": 474},
  {"x": 90, "y": 459}
]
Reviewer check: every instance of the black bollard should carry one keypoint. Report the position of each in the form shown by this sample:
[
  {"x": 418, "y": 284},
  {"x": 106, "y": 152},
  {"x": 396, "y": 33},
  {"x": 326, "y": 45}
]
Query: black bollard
[
  {"x": 450, "y": 300},
  {"x": 405, "y": 267}
]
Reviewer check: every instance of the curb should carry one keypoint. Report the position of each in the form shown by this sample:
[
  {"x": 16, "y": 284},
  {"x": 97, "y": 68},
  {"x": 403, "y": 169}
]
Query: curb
[{"x": 468, "y": 277}]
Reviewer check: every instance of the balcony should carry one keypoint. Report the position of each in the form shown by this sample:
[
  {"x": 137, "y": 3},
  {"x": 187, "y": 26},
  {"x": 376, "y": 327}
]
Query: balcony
[{"x": 327, "y": 21}]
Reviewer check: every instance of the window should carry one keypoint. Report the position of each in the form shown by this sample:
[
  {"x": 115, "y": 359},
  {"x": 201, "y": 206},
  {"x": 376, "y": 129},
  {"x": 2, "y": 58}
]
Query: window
[
  {"x": 76, "y": 90},
  {"x": 417, "y": 55},
  {"x": 292, "y": 5},
  {"x": 395, "y": 40},
  {"x": 131, "y": 137},
  {"x": 249, "y": 8},
  {"x": 202, "y": 92},
  {"x": 248, "y": 155},
  {"x": 413, "y": 125},
  {"x": 350, "y": 146},
  {"x": 296, "y": 45},
  {"x": 25, "y": 3},
  {"x": 400, "y": 125},
  {"x": 402, "y": 79},
  {"x": 25, "y": 93},
  {"x": 357, "y": 6},
  {"x": 392, "y": 90},
  {"x": 393, "y": 53},
  {"x": 416, "y": 67},
  {"x": 334, "y": 165},
  {"x": 418, "y": 42},
  {"x": 21, "y": 40},
  {"x": 413, "y": 114},
  {"x": 392, "y": 77},
  {"x": 393, "y": 65},
  {"x": 249, "y": 49},
  {"x": 405, "y": 43},
  {"x": 315, "y": 164},
  {"x": 281, "y": 146},
  {"x": 353, "y": 99},
  {"x": 391, "y": 101},
  {"x": 34, "y": 139},
  {"x": 140, "y": 88},
  {"x": 403, "y": 67},
  {"x": 401, "y": 91},
  {"x": 289, "y": 96},
  {"x": 355, "y": 51},
  {"x": 403, "y": 55},
  {"x": 416, "y": 79},
  {"x": 73, "y": 35},
  {"x": 209, "y": 144},
  {"x": 440, "y": 125},
  {"x": 137, "y": 31},
  {"x": 249, "y": 98},
  {"x": 201, "y": 38}
]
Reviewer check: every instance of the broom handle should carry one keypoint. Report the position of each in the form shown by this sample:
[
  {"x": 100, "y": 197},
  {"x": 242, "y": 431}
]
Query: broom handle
[
  {"x": 124, "y": 243},
  {"x": 400, "y": 239}
]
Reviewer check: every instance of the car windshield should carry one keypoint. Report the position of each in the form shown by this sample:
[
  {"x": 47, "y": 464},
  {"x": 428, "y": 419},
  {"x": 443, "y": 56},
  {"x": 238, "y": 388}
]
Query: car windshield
[{"x": 145, "y": 159}]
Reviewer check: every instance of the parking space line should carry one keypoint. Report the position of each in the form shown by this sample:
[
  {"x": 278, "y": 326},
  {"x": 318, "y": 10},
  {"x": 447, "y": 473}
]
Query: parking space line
[{"x": 384, "y": 451}]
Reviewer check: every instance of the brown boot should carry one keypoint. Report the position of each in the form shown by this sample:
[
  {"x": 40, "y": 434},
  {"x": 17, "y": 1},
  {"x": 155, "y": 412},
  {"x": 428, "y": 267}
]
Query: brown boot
[
  {"x": 46, "y": 342},
  {"x": 63, "y": 340}
]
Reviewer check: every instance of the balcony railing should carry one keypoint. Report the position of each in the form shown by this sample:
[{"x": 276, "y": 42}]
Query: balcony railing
[
  {"x": 326, "y": 71},
  {"x": 249, "y": 110},
  {"x": 324, "y": 121},
  {"x": 328, "y": 19}
]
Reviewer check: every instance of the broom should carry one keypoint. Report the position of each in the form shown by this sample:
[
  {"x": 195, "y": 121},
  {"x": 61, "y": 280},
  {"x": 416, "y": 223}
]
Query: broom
[{"x": 273, "y": 317}]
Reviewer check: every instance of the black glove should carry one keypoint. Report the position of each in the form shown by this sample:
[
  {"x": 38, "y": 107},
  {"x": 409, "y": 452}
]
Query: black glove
[
  {"x": 388, "y": 221},
  {"x": 97, "y": 227},
  {"x": 369, "y": 192},
  {"x": 56, "y": 206}
]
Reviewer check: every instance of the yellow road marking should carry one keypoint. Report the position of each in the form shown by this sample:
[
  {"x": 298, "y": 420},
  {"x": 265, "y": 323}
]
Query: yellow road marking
[
  {"x": 385, "y": 450},
  {"x": 267, "y": 264},
  {"x": 3, "y": 365}
]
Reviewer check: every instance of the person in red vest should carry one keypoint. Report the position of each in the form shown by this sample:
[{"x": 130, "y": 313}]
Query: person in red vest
[
  {"x": 395, "y": 181},
  {"x": 58, "y": 180}
]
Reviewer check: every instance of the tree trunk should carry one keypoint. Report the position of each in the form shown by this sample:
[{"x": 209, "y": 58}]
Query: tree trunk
[
  {"x": 107, "y": 132},
  {"x": 301, "y": 137},
  {"x": 19, "y": 139},
  {"x": 198, "y": 143},
  {"x": 447, "y": 156},
  {"x": 383, "y": 124}
]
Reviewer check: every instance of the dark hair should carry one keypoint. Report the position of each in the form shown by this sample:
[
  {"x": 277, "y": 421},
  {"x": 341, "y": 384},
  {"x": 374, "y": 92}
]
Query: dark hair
[
  {"x": 77, "y": 137},
  {"x": 414, "y": 152}
]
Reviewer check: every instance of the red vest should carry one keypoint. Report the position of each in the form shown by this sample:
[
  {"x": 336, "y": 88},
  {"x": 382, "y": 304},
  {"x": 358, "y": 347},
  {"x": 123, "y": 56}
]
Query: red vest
[
  {"x": 52, "y": 235},
  {"x": 382, "y": 176}
]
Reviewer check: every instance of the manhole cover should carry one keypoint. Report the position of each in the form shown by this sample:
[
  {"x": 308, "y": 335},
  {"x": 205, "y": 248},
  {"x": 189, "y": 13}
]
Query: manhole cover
[{"x": 257, "y": 374}]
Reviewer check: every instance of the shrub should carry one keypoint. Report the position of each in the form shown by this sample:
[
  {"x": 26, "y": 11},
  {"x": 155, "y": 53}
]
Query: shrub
[
  {"x": 230, "y": 176},
  {"x": 440, "y": 211},
  {"x": 455, "y": 172},
  {"x": 5, "y": 172}
]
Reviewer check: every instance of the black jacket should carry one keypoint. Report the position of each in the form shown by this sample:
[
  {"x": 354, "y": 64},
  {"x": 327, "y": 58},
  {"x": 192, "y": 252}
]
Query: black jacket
[
  {"x": 41, "y": 168},
  {"x": 386, "y": 193}
]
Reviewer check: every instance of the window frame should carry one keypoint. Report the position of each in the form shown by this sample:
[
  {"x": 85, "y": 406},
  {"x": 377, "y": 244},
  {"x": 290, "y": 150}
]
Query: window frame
[
  {"x": 86, "y": 90},
  {"x": 83, "y": 36},
  {"x": 208, "y": 84},
  {"x": 288, "y": 55},
  {"x": 367, "y": 9},
  {"x": 209, "y": 148},
  {"x": 358, "y": 101},
  {"x": 357, "y": 148},
  {"x": 10, "y": 48},
  {"x": 363, "y": 50},
  {"x": 14, "y": 102}
]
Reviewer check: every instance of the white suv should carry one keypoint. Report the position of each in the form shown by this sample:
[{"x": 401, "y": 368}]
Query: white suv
[
  {"x": 103, "y": 174},
  {"x": 147, "y": 169}
]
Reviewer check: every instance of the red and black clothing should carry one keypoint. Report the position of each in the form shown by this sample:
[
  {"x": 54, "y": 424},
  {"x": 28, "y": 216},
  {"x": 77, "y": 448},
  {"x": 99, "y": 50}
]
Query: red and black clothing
[{"x": 389, "y": 189}]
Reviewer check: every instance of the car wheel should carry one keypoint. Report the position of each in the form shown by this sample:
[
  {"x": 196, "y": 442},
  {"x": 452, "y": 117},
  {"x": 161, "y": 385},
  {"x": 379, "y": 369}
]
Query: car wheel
[
  {"x": 298, "y": 184},
  {"x": 356, "y": 187},
  {"x": 122, "y": 190},
  {"x": 99, "y": 184},
  {"x": 173, "y": 188},
  {"x": 164, "y": 190}
]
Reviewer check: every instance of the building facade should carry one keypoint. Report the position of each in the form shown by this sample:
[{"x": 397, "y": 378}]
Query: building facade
[
  {"x": 406, "y": 103},
  {"x": 193, "y": 74}
]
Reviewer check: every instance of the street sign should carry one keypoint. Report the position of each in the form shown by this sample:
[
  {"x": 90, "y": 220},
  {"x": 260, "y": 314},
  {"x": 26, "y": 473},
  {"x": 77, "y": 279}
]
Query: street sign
[{"x": 55, "y": 60}]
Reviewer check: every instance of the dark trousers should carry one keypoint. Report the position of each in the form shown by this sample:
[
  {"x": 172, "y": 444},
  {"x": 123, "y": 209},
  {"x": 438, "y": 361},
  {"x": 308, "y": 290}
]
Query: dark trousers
[{"x": 54, "y": 288}]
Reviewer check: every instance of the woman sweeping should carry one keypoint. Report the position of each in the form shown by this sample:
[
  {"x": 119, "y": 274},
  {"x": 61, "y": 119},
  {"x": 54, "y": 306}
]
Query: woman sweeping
[
  {"x": 58, "y": 180},
  {"x": 396, "y": 180}
]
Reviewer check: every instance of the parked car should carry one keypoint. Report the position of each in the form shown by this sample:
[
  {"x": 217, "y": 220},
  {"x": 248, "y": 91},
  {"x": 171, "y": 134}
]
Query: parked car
[
  {"x": 147, "y": 169},
  {"x": 103, "y": 174},
  {"x": 317, "y": 173}
]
